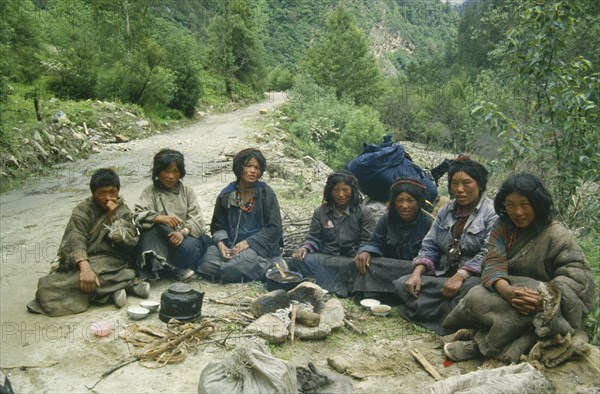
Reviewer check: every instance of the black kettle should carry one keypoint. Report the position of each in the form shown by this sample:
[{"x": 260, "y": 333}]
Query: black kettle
[{"x": 180, "y": 301}]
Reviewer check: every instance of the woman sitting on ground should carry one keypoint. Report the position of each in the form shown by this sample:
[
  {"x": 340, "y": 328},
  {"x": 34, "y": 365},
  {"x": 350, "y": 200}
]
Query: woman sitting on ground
[
  {"x": 246, "y": 225},
  {"x": 170, "y": 220},
  {"x": 449, "y": 262},
  {"x": 338, "y": 227},
  {"x": 395, "y": 241},
  {"x": 536, "y": 285}
]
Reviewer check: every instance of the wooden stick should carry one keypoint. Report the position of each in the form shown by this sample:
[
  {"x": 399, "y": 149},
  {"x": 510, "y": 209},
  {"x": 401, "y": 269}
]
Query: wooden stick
[
  {"x": 588, "y": 359},
  {"x": 151, "y": 331},
  {"x": 227, "y": 303},
  {"x": 293, "y": 323},
  {"x": 426, "y": 364},
  {"x": 280, "y": 270},
  {"x": 41, "y": 365},
  {"x": 352, "y": 327}
]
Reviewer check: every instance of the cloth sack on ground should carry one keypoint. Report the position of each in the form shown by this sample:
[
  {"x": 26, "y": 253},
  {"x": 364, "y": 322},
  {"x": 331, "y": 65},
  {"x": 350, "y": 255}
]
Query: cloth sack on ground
[
  {"x": 517, "y": 379},
  {"x": 5, "y": 386},
  {"x": 311, "y": 380},
  {"x": 250, "y": 368}
]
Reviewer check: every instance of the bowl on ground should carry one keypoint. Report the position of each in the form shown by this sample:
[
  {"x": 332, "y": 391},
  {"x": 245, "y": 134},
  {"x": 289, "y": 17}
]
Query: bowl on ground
[
  {"x": 368, "y": 303},
  {"x": 102, "y": 328},
  {"x": 137, "y": 312},
  {"x": 381, "y": 310},
  {"x": 152, "y": 306}
]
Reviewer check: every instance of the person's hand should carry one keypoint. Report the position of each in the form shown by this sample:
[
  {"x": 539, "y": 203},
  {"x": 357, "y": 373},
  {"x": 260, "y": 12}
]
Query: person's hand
[
  {"x": 224, "y": 250},
  {"x": 111, "y": 206},
  {"x": 526, "y": 301},
  {"x": 362, "y": 261},
  {"x": 88, "y": 280},
  {"x": 239, "y": 247},
  {"x": 413, "y": 284},
  {"x": 168, "y": 220},
  {"x": 176, "y": 238},
  {"x": 522, "y": 299},
  {"x": 299, "y": 254},
  {"x": 452, "y": 285}
]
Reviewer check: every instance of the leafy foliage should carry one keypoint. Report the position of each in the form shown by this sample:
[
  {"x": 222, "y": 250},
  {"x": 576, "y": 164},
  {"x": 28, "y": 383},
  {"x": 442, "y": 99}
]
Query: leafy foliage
[
  {"x": 560, "y": 134},
  {"x": 234, "y": 49},
  {"x": 341, "y": 60},
  {"x": 325, "y": 126}
]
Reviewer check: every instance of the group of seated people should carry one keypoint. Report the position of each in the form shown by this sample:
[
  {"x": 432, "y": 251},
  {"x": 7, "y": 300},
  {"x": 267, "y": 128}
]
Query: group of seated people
[{"x": 502, "y": 273}]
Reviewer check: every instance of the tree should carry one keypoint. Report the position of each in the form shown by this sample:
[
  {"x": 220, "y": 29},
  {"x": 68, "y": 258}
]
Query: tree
[
  {"x": 560, "y": 134},
  {"x": 20, "y": 41},
  {"x": 341, "y": 60},
  {"x": 234, "y": 49}
]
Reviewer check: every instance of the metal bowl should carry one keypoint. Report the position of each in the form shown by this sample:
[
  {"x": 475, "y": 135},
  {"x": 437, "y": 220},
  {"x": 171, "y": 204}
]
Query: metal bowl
[
  {"x": 152, "y": 306},
  {"x": 137, "y": 312},
  {"x": 381, "y": 310}
]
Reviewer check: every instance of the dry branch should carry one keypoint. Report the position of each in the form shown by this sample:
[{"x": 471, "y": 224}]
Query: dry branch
[
  {"x": 293, "y": 323},
  {"x": 352, "y": 327},
  {"x": 168, "y": 349},
  {"x": 426, "y": 364}
]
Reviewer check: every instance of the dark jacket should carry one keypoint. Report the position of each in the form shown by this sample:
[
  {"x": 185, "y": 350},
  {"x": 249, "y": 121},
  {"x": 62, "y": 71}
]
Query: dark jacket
[
  {"x": 339, "y": 236},
  {"x": 261, "y": 227},
  {"x": 396, "y": 239}
]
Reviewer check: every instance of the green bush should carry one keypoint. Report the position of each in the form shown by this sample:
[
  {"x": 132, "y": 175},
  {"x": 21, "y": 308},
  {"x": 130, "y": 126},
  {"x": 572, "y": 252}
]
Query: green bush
[
  {"x": 279, "y": 79},
  {"x": 160, "y": 89},
  {"x": 590, "y": 246},
  {"x": 188, "y": 90},
  {"x": 323, "y": 126}
]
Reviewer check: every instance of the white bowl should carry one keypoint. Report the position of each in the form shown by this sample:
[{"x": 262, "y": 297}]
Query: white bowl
[
  {"x": 367, "y": 303},
  {"x": 137, "y": 312},
  {"x": 381, "y": 310},
  {"x": 102, "y": 328},
  {"x": 152, "y": 306}
]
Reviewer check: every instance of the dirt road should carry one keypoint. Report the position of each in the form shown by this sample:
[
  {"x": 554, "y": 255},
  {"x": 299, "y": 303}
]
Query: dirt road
[{"x": 32, "y": 220}]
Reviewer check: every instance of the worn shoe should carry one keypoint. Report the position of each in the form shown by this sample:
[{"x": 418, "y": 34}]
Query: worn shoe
[
  {"x": 119, "y": 297},
  {"x": 141, "y": 289},
  {"x": 183, "y": 274},
  {"x": 461, "y": 350},
  {"x": 464, "y": 334}
]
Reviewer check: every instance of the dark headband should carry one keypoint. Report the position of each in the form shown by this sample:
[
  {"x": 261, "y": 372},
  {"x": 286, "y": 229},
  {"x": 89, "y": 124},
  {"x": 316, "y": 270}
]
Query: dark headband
[{"x": 413, "y": 182}]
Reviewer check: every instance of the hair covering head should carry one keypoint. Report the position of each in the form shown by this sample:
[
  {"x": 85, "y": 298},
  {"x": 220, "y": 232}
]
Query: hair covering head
[
  {"x": 411, "y": 186},
  {"x": 163, "y": 159},
  {"x": 349, "y": 179},
  {"x": 243, "y": 156},
  {"x": 470, "y": 167}
]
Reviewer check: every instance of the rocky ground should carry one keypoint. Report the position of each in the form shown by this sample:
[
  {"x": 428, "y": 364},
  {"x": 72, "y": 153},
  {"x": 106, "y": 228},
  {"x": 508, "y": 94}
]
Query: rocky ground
[{"x": 42, "y": 354}]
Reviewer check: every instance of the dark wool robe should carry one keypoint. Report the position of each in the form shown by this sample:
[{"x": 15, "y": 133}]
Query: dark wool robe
[
  {"x": 332, "y": 241},
  {"x": 551, "y": 257},
  {"x": 109, "y": 248},
  {"x": 261, "y": 228},
  {"x": 393, "y": 245}
]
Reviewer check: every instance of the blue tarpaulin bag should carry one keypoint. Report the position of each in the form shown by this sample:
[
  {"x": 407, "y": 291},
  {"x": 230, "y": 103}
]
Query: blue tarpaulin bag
[{"x": 378, "y": 166}]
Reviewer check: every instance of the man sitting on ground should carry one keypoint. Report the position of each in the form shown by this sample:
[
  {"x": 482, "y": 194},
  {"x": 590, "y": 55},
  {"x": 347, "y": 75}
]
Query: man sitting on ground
[{"x": 94, "y": 255}]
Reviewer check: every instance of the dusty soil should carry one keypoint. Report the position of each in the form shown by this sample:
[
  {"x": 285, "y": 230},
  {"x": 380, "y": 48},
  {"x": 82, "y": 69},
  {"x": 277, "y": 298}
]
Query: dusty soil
[{"x": 42, "y": 354}]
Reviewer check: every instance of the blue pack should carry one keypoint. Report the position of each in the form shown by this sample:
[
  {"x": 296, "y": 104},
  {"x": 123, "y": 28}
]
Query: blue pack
[{"x": 378, "y": 166}]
